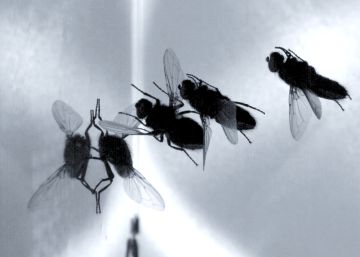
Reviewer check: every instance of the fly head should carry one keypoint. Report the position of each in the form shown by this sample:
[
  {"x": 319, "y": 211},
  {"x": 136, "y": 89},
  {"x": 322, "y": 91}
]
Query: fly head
[
  {"x": 186, "y": 88},
  {"x": 143, "y": 108},
  {"x": 275, "y": 60}
]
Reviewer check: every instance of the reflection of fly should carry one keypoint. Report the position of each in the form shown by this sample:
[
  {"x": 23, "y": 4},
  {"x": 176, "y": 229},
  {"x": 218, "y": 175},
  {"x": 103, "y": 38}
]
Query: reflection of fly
[
  {"x": 76, "y": 155},
  {"x": 306, "y": 85},
  {"x": 115, "y": 150},
  {"x": 211, "y": 104},
  {"x": 166, "y": 120}
]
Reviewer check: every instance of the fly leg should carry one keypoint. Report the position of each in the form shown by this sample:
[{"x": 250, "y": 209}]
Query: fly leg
[
  {"x": 110, "y": 178},
  {"x": 245, "y": 136},
  {"x": 201, "y": 81},
  {"x": 181, "y": 149},
  {"x": 160, "y": 139},
  {"x": 249, "y": 106},
  {"x": 146, "y": 94},
  {"x": 181, "y": 104},
  {"x": 85, "y": 184},
  {"x": 292, "y": 52},
  {"x": 185, "y": 112},
  {"x": 288, "y": 54},
  {"x": 336, "y": 101}
]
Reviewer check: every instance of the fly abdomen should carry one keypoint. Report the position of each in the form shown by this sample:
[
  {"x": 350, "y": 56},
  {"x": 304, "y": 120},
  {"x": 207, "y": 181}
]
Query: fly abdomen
[
  {"x": 244, "y": 119},
  {"x": 327, "y": 88},
  {"x": 124, "y": 171},
  {"x": 187, "y": 133},
  {"x": 76, "y": 154},
  {"x": 115, "y": 150}
]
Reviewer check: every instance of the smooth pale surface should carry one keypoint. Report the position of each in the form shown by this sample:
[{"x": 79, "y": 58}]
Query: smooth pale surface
[{"x": 276, "y": 197}]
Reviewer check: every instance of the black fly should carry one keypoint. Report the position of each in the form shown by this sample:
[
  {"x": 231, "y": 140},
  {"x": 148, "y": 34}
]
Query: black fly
[
  {"x": 76, "y": 154},
  {"x": 114, "y": 150},
  {"x": 166, "y": 120},
  {"x": 211, "y": 104},
  {"x": 306, "y": 85}
]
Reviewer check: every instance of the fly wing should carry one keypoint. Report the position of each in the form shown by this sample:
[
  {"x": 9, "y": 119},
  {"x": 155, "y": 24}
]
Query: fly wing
[
  {"x": 123, "y": 124},
  {"x": 174, "y": 75},
  {"x": 314, "y": 102},
  {"x": 50, "y": 189},
  {"x": 227, "y": 118},
  {"x": 299, "y": 112},
  {"x": 66, "y": 117},
  {"x": 119, "y": 129},
  {"x": 141, "y": 191},
  {"x": 207, "y": 136},
  {"x": 127, "y": 120}
]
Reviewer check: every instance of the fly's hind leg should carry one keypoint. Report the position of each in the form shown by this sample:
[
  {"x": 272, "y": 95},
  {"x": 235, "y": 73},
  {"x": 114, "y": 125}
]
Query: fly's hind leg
[
  {"x": 246, "y": 137},
  {"x": 181, "y": 149},
  {"x": 110, "y": 178},
  {"x": 336, "y": 101}
]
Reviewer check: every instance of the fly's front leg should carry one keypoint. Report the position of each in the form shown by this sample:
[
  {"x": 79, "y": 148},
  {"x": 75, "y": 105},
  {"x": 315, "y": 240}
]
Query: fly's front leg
[
  {"x": 146, "y": 94},
  {"x": 181, "y": 149},
  {"x": 294, "y": 54}
]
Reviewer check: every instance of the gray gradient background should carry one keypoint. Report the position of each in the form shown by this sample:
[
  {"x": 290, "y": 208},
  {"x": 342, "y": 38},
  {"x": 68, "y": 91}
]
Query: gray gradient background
[{"x": 274, "y": 198}]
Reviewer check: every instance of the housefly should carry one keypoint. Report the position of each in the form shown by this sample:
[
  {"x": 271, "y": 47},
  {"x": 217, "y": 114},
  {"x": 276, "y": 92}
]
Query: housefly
[
  {"x": 306, "y": 85},
  {"x": 208, "y": 101},
  {"x": 165, "y": 120},
  {"x": 113, "y": 149},
  {"x": 76, "y": 155}
]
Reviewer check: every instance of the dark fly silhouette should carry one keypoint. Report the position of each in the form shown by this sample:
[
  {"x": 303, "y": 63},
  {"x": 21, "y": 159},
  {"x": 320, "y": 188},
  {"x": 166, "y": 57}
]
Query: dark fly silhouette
[
  {"x": 113, "y": 149},
  {"x": 211, "y": 104},
  {"x": 306, "y": 85},
  {"x": 76, "y": 155},
  {"x": 164, "y": 120},
  {"x": 132, "y": 245}
]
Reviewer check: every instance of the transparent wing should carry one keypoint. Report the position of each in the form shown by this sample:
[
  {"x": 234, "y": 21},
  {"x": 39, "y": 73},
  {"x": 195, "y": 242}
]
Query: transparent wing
[
  {"x": 227, "y": 118},
  {"x": 299, "y": 112},
  {"x": 124, "y": 124},
  {"x": 50, "y": 189},
  {"x": 141, "y": 191},
  {"x": 66, "y": 117},
  {"x": 126, "y": 120},
  {"x": 207, "y": 136},
  {"x": 314, "y": 102},
  {"x": 174, "y": 75},
  {"x": 119, "y": 129}
]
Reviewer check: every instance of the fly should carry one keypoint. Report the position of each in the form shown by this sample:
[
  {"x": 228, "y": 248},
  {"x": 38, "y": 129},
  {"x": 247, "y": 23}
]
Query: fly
[
  {"x": 306, "y": 86},
  {"x": 113, "y": 149},
  {"x": 76, "y": 154}
]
